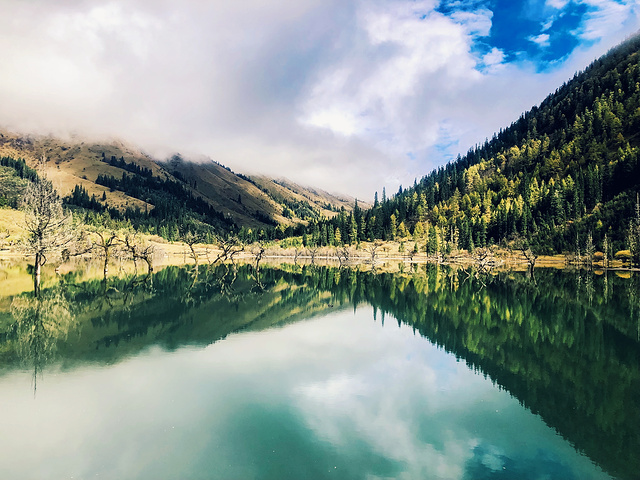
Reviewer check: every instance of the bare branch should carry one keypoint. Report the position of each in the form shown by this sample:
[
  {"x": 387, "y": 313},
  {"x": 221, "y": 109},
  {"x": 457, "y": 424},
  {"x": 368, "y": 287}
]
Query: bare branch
[
  {"x": 230, "y": 248},
  {"x": 344, "y": 255},
  {"x": 372, "y": 250}
]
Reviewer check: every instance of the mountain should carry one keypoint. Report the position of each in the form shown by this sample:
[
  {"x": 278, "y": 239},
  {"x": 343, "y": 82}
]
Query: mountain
[
  {"x": 564, "y": 176},
  {"x": 161, "y": 195},
  {"x": 245, "y": 197},
  {"x": 298, "y": 198}
]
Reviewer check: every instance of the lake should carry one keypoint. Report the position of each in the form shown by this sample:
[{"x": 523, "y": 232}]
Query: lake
[{"x": 319, "y": 372}]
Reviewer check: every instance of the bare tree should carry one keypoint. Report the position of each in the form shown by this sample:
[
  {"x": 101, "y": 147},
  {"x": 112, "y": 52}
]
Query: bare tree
[
  {"x": 230, "y": 247},
  {"x": 49, "y": 228},
  {"x": 589, "y": 250},
  {"x": 192, "y": 239},
  {"x": 207, "y": 254},
  {"x": 313, "y": 251},
  {"x": 634, "y": 234},
  {"x": 104, "y": 244},
  {"x": 138, "y": 250},
  {"x": 484, "y": 259},
  {"x": 529, "y": 256},
  {"x": 522, "y": 244},
  {"x": 258, "y": 252},
  {"x": 605, "y": 250},
  {"x": 372, "y": 250},
  {"x": 578, "y": 256},
  {"x": 343, "y": 255}
]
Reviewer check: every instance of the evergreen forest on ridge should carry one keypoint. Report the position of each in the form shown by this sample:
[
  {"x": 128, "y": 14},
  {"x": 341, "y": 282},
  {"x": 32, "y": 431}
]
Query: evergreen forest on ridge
[{"x": 563, "y": 171}]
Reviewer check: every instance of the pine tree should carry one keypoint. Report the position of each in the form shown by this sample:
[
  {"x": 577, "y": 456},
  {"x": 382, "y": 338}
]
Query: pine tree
[
  {"x": 353, "y": 231},
  {"x": 432, "y": 241},
  {"x": 589, "y": 250},
  {"x": 634, "y": 234},
  {"x": 393, "y": 228}
]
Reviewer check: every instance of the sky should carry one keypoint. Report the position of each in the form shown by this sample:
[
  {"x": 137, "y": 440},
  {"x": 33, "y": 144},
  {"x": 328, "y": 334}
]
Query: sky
[{"x": 345, "y": 95}]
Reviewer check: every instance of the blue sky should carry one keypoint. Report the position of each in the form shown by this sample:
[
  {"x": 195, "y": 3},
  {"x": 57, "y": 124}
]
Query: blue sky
[
  {"x": 346, "y": 95},
  {"x": 545, "y": 33}
]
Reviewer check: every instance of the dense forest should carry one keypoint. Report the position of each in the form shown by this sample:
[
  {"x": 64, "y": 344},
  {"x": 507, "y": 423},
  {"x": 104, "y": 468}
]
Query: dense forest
[{"x": 565, "y": 171}]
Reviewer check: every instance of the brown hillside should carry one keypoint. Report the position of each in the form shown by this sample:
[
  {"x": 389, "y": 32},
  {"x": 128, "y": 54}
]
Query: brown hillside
[
  {"x": 317, "y": 199},
  {"x": 227, "y": 192},
  {"x": 71, "y": 163},
  {"x": 254, "y": 203}
]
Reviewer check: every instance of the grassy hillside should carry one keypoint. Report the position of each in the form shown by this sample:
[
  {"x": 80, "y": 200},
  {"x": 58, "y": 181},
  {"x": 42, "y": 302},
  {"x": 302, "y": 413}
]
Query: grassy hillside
[
  {"x": 131, "y": 185},
  {"x": 229, "y": 193},
  {"x": 303, "y": 202}
]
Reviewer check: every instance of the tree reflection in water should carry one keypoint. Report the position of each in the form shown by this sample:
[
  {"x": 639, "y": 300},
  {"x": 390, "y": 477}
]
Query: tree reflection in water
[
  {"x": 566, "y": 345},
  {"x": 40, "y": 322}
]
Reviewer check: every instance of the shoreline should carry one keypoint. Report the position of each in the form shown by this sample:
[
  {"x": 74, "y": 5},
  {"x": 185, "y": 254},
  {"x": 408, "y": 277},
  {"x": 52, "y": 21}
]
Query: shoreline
[
  {"x": 15, "y": 280},
  {"x": 178, "y": 253}
]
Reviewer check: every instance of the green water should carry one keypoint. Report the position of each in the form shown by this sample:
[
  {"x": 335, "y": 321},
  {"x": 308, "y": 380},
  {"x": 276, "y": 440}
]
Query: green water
[{"x": 313, "y": 373}]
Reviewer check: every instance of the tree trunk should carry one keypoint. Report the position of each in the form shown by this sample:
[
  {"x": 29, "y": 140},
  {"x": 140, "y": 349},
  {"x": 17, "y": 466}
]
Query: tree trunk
[
  {"x": 36, "y": 275},
  {"x": 106, "y": 265}
]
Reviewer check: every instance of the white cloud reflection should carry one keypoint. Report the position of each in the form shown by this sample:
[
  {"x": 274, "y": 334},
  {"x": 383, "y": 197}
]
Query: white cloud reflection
[{"x": 303, "y": 396}]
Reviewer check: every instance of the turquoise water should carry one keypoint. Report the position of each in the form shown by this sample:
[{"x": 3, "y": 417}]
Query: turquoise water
[{"x": 319, "y": 374}]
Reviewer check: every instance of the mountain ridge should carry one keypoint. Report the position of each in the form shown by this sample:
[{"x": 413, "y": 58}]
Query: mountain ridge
[
  {"x": 96, "y": 169},
  {"x": 563, "y": 177}
]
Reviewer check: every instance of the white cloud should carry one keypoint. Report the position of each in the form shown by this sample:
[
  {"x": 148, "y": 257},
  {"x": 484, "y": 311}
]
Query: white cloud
[
  {"x": 494, "y": 58},
  {"x": 475, "y": 23},
  {"x": 557, "y": 4},
  {"x": 406, "y": 58},
  {"x": 541, "y": 40},
  {"x": 547, "y": 25},
  {"x": 330, "y": 93},
  {"x": 607, "y": 16}
]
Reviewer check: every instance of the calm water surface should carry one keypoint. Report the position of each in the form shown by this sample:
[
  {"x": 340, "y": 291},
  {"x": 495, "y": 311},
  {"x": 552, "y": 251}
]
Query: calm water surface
[{"x": 321, "y": 373}]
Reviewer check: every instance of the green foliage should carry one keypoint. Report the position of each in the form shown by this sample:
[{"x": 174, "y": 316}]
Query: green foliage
[
  {"x": 567, "y": 349},
  {"x": 21, "y": 168},
  {"x": 565, "y": 168},
  {"x": 15, "y": 176},
  {"x": 11, "y": 187},
  {"x": 171, "y": 200}
]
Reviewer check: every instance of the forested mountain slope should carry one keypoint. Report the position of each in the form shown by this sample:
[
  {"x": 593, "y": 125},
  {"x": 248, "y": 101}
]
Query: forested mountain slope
[
  {"x": 119, "y": 182},
  {"x": 565, "y": 169}
]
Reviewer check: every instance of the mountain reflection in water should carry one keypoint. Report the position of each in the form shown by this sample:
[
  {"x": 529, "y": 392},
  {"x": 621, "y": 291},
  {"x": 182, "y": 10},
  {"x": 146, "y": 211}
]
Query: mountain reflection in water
[{"x": 565, "y": 346}]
